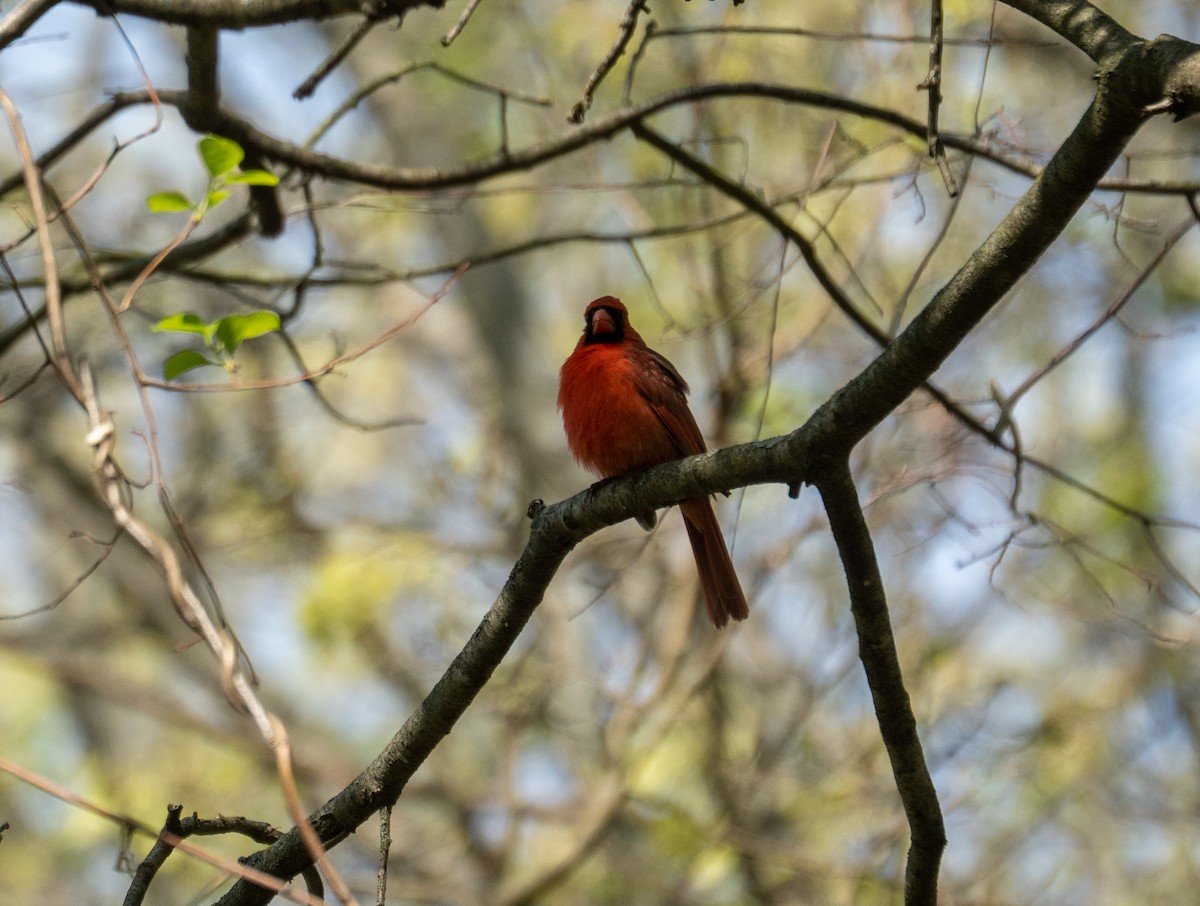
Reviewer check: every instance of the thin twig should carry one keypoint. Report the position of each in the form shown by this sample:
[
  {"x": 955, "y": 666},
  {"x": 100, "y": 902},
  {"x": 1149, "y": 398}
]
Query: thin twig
[
  {"x": 1105, "y": 316},
  {"x": 332, "y": 365},
  {"x": 624, "y": 34},
  {"x": 385, "y": 846},
  {"x": 627, "y": 93},
  {"x": 735, "y": 31},
  {"x": 983, "y": 69},
  {"x": 933, "y": 84},
  {"x": 309, "y": 85},
  {"x": 130, "y": 824},
  {"x": 943, "y": 233},
  {"x": 365, "y": 91},
  {"x": 291, "y": 794},
  {"x": 448, "y": 38},
  {"x": 21, "y": 19},
  {"x": 178, "y": 240},
  {"x": 31, "y": 321},
  {"x": 66, "y": 592},
  {"x": 59, "y": 356}
]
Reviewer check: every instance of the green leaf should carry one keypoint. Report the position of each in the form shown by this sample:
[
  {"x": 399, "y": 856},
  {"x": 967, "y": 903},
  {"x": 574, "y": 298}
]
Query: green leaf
[
  {"x": 253, "y": 178},
  {"x": 167, "y": 202},
  {"x": 233, "y": 330},
  {"x": 186, "y": 322},
  {"x": 221, "y": 155},
  {"x": 216, "y": 196},
  {"x": 184, "y": 361}
]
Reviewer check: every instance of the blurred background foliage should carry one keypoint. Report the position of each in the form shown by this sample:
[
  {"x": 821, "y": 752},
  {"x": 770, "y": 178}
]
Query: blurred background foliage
[{"x": 356, "y": 532}]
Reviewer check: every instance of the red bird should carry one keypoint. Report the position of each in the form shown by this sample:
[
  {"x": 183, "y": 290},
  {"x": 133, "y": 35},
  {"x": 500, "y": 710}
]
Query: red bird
[{"x": 624, "y": 408}]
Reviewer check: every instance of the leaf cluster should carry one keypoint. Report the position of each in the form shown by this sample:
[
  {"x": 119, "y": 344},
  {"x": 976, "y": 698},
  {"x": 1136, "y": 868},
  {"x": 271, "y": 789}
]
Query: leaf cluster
[
  {"x": 222, "y": 159},
  {"x": 221, "y": 338}
]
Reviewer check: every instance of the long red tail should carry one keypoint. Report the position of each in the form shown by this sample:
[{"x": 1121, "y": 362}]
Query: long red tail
[{"x": 722, "y": 591}]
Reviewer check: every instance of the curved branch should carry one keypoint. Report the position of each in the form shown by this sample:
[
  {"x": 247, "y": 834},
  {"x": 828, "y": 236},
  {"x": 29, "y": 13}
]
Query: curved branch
[
  {"x": 216, "y": 14},
  {"x": 626, "y": 28},
  {"x": 505, "y": 162},
  {"x": 239, "y": 14},
  {"x": 893, "y": 709},
  {"x": 427, "y": 178},
  {"x": 21, "y": 19},
  {"x": 1090, "y": 29},
  {"x": 400, "y": 178},
  {"x": 766, "y": 211}
]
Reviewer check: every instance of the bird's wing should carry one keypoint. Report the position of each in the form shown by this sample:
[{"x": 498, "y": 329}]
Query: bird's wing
[{"x": 666, "y": 392}]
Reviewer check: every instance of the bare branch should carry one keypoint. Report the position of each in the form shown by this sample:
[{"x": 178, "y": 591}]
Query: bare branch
[
  {"x": 333, "y": 364},
  {"x": 1105, "y": 316},
  {"x": 235, "y": 869},
  {"x": 893, "y": 710},
  {"x": 291, "y": 793},
  {"x": 343, "y": 50},
  {"x": 203, "y": 68},
  {"x": 456, "y": 30},
  {"x": 238, "y": 14},
  {"x": 21, "y": 19},
  {"x": 425, "y": 178},
  {"x": 75, "y": 583},
  {"x": 933, "y": 84},
  {"x": 624, "y": 34},
  {"x": 509, "y": 162},
  {"x": 385, "y": 847},
  {"x": 1090, "y": 29},
  {"x": 59, "y": 356},
  {"x": 750, "y": 31}
]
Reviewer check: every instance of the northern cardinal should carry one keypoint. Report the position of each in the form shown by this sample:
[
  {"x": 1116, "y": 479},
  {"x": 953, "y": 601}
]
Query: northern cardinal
[{"x": 624, "y": 408}]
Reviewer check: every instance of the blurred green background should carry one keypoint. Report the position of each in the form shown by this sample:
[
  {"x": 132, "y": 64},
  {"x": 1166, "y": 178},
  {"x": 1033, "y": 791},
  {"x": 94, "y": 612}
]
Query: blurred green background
[{"x": 625, "y": 752}]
